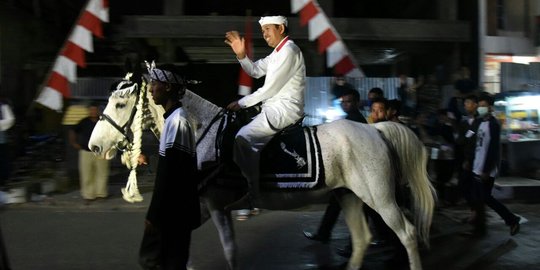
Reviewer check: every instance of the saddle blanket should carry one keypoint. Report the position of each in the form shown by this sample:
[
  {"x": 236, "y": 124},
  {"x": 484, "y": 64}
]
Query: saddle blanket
[{"x": 292, "y": 160}]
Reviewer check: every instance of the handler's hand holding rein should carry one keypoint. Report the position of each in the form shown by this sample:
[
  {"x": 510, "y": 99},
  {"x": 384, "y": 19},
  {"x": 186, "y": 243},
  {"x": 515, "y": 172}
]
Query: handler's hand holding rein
[
  {"x": 234, "y": 106},
  {"x": 237, "y": 43}
]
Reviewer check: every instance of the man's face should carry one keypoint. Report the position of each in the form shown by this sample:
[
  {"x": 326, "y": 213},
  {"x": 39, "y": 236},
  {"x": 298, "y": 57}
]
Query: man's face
[
  {"x": 378, "y": 112},
  {"x": 484, "y": 103},
  {"x": 470, "y": 106},
  {"x": 348, "y": 104},
  {"x": 159, "y": 92},
  {"x": 272, "y": 34}
]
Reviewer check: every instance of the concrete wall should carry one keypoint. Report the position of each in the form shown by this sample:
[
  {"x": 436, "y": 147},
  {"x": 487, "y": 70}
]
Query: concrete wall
[{"x": 509, "y": 45}]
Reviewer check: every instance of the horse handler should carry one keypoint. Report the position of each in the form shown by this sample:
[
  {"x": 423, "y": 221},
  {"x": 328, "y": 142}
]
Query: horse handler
[
  {"x": 167, "y": 238},
  {"x": 282, "y": 97}
]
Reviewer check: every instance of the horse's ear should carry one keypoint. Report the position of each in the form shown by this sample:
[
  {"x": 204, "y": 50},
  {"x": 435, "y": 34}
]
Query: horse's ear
[{"x": 114, "y": 85}]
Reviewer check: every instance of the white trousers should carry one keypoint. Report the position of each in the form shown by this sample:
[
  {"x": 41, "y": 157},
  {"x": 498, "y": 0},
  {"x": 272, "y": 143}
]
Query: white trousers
[
  {"x": 250, "y": 141},
  {"x": 94, "y": 175}
]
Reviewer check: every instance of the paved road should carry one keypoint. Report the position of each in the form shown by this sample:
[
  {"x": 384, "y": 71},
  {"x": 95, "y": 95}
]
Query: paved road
[{"x": 62, "y": 233}]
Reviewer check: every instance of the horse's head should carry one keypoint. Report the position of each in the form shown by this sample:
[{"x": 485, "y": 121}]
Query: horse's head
[{"x": 111, "y": 132}]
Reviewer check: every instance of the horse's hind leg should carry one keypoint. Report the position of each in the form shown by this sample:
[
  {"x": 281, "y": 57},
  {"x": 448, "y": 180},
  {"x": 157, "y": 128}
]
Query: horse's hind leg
[
  {"x": 358, "y": 228},
  {"x": 405, "y": 231},
  {"x": 224, "y": 224}
]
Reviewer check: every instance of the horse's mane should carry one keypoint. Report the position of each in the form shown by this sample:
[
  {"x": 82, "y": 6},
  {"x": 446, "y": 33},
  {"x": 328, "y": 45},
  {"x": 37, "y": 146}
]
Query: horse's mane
[
  {"x": 200, "y": 110},
  {"x": 199, "y": 102},
  {"x": 121, "y": 93},
  {"x": 148, "y": 116}
]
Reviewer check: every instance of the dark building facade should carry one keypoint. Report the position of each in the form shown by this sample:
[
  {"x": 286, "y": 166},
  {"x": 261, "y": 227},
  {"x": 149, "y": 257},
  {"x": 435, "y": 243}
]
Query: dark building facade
[{"x": 387, "y": 38}]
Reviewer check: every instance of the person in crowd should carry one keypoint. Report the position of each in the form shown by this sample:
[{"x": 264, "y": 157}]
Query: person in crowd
[
  {"x": 456, "y": 108},
  {"x": 373, "y": 93},
  {"x": 445, "y": 158},
  {"x": 350, "y": 103},
  {"x": 485, "y": 167},
  {"x": 407, "y": 95},
  {"x": 393, "y": 113},
  {"x": 463, "y": 87},
  {"x": 7, "y": 120},
  {"x": 166, "y": 239},
  {"x": 429, "y": 100},
  {"x": 464, "y": 150},
  {"x": 282, "y": 97},
  {"x": 341, "y": 86},
  {"x": 439, "y": 137},
  {"x": 379, "y": 107},
  {"x": 383, "y": 232},
  {"x": 463, "y": 83},
  {"x": 394, "y": 110},
  {"x": 93, "y": 171}
]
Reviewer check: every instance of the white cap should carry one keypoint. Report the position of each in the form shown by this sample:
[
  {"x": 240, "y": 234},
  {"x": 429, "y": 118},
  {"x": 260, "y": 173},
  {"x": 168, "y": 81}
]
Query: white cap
[{"x": 273, "y": 20}]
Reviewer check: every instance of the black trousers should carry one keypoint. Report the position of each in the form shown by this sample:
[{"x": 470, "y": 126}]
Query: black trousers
[
  {"x": 482, "y": 196},
  {"x": 444, "y": 170},
  {"x": 331, "y": 214},
  {"x": 165, "y": 249},
  {"x": 4, "y": 261},
  {"x": 330, "y": 217},
  {"x": 5, "y": 164},
  {"x": 465, "y": 185}
]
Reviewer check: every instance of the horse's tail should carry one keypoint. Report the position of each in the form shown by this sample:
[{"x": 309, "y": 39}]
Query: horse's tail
[{"x": 412, "y": 157}]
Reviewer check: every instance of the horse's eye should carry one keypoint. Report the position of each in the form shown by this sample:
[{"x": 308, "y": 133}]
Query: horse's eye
[{"x": 120, "y": 105}]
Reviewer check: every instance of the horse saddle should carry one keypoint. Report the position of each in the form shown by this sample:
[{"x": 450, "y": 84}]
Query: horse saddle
[{"x": 292, "y": 158}]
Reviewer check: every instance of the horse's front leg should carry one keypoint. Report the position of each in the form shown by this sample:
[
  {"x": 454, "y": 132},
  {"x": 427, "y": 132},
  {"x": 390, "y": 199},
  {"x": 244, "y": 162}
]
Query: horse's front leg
[
  {"x": 223, "y": 221},
  {"x": 358, "y": 228}
]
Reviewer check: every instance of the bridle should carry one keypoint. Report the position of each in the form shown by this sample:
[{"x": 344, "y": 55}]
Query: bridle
[{"x": 126, "y": 142}]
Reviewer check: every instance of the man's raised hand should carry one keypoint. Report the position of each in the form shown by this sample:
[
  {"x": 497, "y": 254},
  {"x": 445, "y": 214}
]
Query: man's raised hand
[{"x": 237, "y": 43}]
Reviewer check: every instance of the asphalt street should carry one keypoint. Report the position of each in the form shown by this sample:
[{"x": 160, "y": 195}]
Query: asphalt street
[{"x": 61, "y": 232}]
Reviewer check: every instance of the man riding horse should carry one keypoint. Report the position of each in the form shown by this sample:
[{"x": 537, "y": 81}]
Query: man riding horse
[{"x": 282, "y": 97}]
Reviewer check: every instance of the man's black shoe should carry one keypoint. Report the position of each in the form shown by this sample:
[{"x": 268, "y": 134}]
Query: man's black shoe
[
  {"x": 514, "y": 228},
  {"x": 316, "y": 237}
]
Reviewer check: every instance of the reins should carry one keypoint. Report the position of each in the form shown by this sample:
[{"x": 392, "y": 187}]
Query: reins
[{"x": 219, "y": 115}]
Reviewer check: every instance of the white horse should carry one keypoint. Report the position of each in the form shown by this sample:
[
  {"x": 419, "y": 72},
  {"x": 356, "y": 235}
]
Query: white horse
[{"x": 355, "y": 156}]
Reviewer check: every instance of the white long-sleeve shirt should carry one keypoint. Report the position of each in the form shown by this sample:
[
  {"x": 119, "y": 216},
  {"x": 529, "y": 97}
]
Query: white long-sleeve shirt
[
  {"x": 285, "y": 81},
  {"x": 7, "y": 120}
]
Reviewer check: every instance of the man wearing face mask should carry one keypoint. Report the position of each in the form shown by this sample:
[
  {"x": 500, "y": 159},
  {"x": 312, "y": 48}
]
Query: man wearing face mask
[{"x": 485, "y": 167}]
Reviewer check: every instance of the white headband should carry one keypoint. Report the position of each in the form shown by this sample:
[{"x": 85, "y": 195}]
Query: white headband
[
  {"x": 162, "y": 75},
  {"x": 273, "y": 20}
]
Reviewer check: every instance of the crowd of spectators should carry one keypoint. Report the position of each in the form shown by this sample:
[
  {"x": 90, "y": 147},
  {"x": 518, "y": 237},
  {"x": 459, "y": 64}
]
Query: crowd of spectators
[{"x": 460, "y": 136}]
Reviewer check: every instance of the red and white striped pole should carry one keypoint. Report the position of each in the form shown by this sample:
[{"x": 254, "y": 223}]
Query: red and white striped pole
[{"x": 56, "y": 86}]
